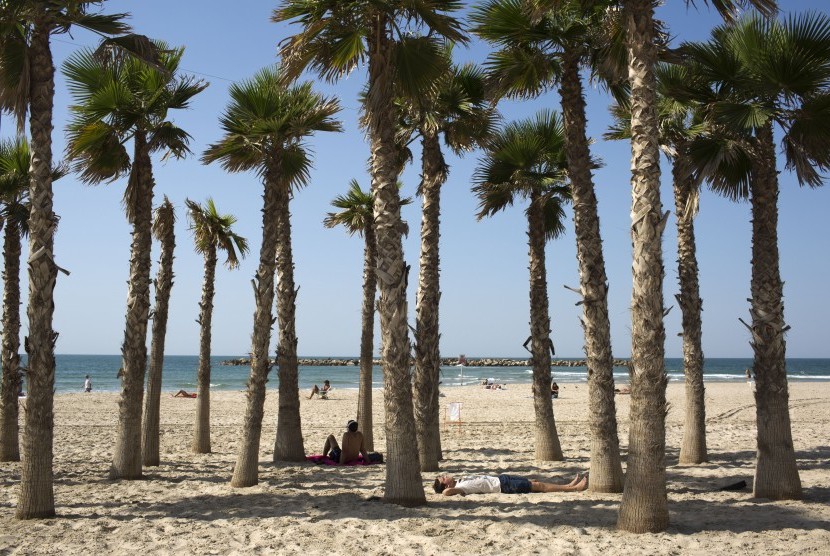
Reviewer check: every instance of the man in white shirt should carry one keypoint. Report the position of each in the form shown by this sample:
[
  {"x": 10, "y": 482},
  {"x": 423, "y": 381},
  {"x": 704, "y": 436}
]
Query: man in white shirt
[{"x": 506, "y": 484}]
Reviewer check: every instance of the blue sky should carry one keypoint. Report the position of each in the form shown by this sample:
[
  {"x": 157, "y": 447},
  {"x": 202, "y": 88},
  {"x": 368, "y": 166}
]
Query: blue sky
[{"x": 484, "y": 308}]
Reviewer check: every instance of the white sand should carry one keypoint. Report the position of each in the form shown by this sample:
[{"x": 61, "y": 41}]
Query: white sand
[{"x": 186, "y": 506}]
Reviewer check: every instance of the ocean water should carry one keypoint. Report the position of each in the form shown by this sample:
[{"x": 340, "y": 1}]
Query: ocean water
[{"x": 180, "y": 373}]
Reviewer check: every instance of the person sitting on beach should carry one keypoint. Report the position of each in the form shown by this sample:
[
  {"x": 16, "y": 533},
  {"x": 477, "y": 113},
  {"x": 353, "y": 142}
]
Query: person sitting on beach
[
  {"x": 322, "y": 392},
  {"x": 506, "y": 484},
  {"x": 622, "y": 390},
  {"x": 184, "y": 394},
  {"x": 554, "y": 390},
  {"x": 353, "y": 445},
  {"x": 87, "y": 384}
]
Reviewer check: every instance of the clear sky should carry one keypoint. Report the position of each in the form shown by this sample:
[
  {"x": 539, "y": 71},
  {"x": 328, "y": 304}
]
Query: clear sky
[{"x": 484, "y": 277}]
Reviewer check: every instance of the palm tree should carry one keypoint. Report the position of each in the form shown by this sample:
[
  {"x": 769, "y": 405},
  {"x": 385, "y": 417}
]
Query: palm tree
[
  {"x": 679, "y": 124},
  {"x": 458, "y": 109},
  {"x": 527, "y": 159},
  {"x": 356, "y": 217},
  {"x": 644, "y": 506},
  {"x": 264, "y": 126},
  {"x": 336, "y": 37},
  {"x": 211, "y": 232},
  {"x": 757, "y": 75},
  {"x": 14, "y": 189},
  {"x": 27, "y": 82},
  {"x": 164, "y": 231},
  {"x": 538, "y": 49},
  {"x": 117, "y": 100}
]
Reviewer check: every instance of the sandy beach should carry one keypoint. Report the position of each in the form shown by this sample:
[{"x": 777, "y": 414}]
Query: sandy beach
[{"x": 187, "y": 506}]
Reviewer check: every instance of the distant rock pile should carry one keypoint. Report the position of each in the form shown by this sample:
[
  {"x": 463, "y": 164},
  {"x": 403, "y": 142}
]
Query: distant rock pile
[{"x": 445, "y": 362}]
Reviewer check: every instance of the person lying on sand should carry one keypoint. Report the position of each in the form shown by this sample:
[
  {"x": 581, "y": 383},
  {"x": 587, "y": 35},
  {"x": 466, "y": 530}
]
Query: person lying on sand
[
  {"x": 506, "y": 484},
  {"x": 184, "y": 394},
  {"x": 353, "y": 445},
  {"x": 622, "y": 390}
]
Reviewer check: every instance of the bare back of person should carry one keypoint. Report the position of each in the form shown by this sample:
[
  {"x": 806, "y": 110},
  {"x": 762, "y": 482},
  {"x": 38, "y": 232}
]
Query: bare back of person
[{"x": 352, "y": 445}]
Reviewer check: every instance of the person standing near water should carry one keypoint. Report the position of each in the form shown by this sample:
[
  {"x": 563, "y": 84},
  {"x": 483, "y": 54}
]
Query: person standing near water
[{"x": 87, "y": 384}]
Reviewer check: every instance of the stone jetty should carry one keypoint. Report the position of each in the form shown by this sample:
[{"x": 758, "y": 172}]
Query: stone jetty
[{"x": 445, "y": 362}]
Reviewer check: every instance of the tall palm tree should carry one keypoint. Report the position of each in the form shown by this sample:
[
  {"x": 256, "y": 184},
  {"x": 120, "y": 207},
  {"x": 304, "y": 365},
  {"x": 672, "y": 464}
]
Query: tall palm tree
[
  {"x": 540, "y": 47},
  {"x": 265, "y": 124},
  {"x": 27, "y": 83},
  {"x": 356, "y": 217},
  {"x": 164, "y": 232},
  {"x": 14, "y": 211},
  {"x": 679, "y": 125},
  {"x": 458, "y": 109},
  {"x": 335, "y": 38},
  {"x": 117, "y": 100},
  {"x": 759, "y": 75},
  {"x": 644, "y": 506},
  {"x": 526, "y": 159},
  {"x": 14, "y": 216},
  {"x": 211, "y": 232}
]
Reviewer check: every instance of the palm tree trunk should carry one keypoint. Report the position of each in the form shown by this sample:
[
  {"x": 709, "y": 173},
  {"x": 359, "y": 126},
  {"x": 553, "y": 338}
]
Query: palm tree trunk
[
  {"x": 37, "y": 499},
  {"x": 367, "y": 336},
  {"x": 403, "y": 476},
  {"x": 126, "y": 463},
  {"x": 288, "y": 445},
  {"x": 246, "y": 471},
  {"x": 606, "y": 467},
  {"x": 427, "y": 354},
  {"x": 9, "y": 427},
  {"x": 776, "y": 472},
  {"x": 201, "y": 430},
  {"x": 164, "y": 230},
  {"x": 693, "y": 448},
  {"x": 547, "y": 440},
  {"x": 644, "y": 505}
]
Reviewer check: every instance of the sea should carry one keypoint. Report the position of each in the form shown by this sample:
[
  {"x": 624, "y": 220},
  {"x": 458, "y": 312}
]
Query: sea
[{"x": 180, "y": 373}]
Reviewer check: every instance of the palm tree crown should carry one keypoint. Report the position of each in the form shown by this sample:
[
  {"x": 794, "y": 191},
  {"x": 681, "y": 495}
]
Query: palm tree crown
[
  {"x": 211, "y": 230},
  {"x": 118, "y": 98},
  {"x": 265, "y": 117},
  {"x": 524, "y": 159}
]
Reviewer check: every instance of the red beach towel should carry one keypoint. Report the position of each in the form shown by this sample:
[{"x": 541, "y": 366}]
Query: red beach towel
[{"x": 325, "y": 460}]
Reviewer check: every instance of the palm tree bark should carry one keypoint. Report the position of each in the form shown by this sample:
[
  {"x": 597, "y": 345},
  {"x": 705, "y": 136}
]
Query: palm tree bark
[
  {"x": 693, "y": 448},
  {"x": 164, "y": 284},
  {"x": 776, "y": 472},
  {"x": 403, "y": 476},
  {"x": 201, "y": 431},
  {"x": 37, "y": 499},
  {"x": 9, "y": 424},
  {"x": 288, "y": 445},
  {"x": 245, "y": 472},
  {"x": 644, "y": 506},
  {"x": 367, "y": 336},
  {"x": 427, "y": 354},
  {"x": 606, "y": 467},
  {"x": 547, "y": 439},
  {"x": 126, "y": 462}
]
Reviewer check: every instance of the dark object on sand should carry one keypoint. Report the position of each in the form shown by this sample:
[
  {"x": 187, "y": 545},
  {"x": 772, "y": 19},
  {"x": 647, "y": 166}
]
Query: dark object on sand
[{"x": 740, "y": 485}]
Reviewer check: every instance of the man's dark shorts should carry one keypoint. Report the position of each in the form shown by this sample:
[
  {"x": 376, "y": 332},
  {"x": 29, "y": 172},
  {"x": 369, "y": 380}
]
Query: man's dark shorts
[
  {"x": 511, "y": 484},
  {"x": 335, "y": 454}
]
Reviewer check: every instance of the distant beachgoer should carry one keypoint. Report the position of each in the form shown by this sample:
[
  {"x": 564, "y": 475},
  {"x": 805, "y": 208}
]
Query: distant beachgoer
[
  {"x": 87, "y": 384},
  {"x": 353, "y": 444},
  {"x": 554, "y": 390},
  {"x": 20, "y": 376},
  {"x": 505, "y": 484},
  {"x": 322, "y": 392},
  {"x": 622, "y": 390},
  {"x": 184, "y": 394}
]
